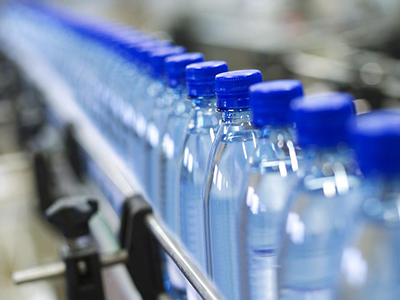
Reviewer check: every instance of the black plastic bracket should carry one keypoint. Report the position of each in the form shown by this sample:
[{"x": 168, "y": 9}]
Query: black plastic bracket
[
  {"x": 44, "y": 181},
  {"x": 73, "y": 152},
  {"x": 83, "y": 276},
  {"x": 144, "y": 262},
  {"x": 71, "y": 216}
]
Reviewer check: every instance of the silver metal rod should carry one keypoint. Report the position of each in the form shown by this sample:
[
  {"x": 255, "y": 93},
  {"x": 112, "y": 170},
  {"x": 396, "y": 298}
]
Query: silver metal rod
[
  {"x": 184, "y": 262},
  {"x": 111, "y": 259},
  {"x": 57, "y": 269},
  {"x": 39, "y": 273}
]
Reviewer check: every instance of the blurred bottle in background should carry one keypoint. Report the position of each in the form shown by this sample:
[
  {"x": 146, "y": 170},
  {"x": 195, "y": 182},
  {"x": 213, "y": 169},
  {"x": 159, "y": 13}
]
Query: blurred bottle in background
[
  {"x": 235, "y": 140},
  {"x": 172, "y": 143},
  {"x": 144, "y": 107},
  {"x": 324, "y": 203},
  {"x": 370, "y": 267},
  {"x": 270, "y": 176},
  {"x": 199, "y": 134},
  {"x": 174, "y": 96},
  {"x": 175, "y": 67}
]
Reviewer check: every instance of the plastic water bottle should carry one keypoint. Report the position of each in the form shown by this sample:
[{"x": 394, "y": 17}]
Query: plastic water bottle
[
  {"x": 175, "y": 68},
  {"x": 370, "y": 267},
  {"x": 198, "y": 135},
  {"x": 173, "y": 103},
  {"x": 324, "y": 202},
  {"x": 117, "y": 89},
  {"x": 235, "y": 140},
  {"x": 145, "y": 104},
  {"x": 125, "y": 69},
  {"x": 270, "y": 176},
  {"x": 177, "y": 123}
]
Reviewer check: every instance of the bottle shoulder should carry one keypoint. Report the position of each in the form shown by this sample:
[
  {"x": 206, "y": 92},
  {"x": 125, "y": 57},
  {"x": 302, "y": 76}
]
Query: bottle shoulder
[
  {"x": 228, "y": 159},
  {"x": 280, "y": 156},
  {"x": 370, "y": 259},
  {"x": 267, "y": 193},
  {"x": 179, "y": 109},
  {"x": 202, "y": 121},
  {"x": 323, "y": 215},
  {"x": 381, "y": 203},
  {"x": 237, "y": 132}
]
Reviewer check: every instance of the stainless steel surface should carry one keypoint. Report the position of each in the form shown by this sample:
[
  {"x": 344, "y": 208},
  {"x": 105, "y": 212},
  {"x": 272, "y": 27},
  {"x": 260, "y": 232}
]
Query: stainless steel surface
[
  {"x": 39, "y": 273},
  {"x": 58, "y": 269},
  {"x": 190, "y": 270},
  {"x": 111, "y": 259}
]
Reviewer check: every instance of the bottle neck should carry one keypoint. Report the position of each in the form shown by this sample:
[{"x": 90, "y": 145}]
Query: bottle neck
[
  {"x": 388, "y": 187},
  {"x": 204, "y": 102},
  {"x": 327, "y": 161},
  {"x": 277, "y": 143},
  {"x": 381, "y": 199},
  {"x": 236, "y": 116},
  {"x": 178, "y": 90},
  {"x": 277, "y": 133}
]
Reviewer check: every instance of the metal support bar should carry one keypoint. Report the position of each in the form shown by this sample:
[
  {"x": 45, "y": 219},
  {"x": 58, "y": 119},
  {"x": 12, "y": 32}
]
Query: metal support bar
[
  {"x": 58, "y": 269},
  {"x": 184, "y": 262}
]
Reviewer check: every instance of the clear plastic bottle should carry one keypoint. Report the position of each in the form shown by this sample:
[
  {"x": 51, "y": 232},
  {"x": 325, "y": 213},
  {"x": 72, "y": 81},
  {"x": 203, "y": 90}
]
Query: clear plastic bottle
[
  {"x": 120, "y": 90},
  {"x": 270, "y": 176},
  {"x": 235, "y": 140},
  {"x": 370, "y": 267},
  {"x": 122, "y": 76},
  {"x": 177, "y": 122},
  {"x": 198, "y": 135},
  {"x": 324, "y": 202},
  {"x": 144, "y": 105},
  {"x": 175, "y": 68}
]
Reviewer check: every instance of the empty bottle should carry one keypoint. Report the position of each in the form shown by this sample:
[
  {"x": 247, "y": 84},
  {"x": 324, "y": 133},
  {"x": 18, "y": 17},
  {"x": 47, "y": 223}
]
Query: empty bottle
[
  {"x": 370, "y": 267},
  {"x": 235, "y": 140},
  {"x": 270, "y": 176},
  {"x": 199, "y": 134},
  {"x": 175, "y": 68},
  {"x": 323, "y": 203}
]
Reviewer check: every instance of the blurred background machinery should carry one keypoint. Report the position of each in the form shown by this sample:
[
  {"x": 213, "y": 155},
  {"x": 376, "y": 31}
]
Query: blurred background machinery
[{"x": 341, "y": 45}]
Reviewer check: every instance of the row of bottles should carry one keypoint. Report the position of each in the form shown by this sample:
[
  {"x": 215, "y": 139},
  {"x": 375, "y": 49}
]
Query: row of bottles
[{"x": 276, "y": 195}]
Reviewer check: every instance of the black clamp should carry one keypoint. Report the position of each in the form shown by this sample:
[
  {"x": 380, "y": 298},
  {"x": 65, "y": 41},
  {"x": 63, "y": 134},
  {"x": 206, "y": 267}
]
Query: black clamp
[
  {"x": 83, "y": 266},
  {"x": 144, "y": 263}
]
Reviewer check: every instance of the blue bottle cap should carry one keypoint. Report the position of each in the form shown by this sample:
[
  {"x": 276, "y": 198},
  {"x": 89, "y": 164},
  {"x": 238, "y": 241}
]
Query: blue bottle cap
[
  {"x": 270, "y": 101},
  {"x": 144, "y": 49},
  {"x": 175, "y": 67},
  {"x": 232, "y": 88},
  {"x": 129, "y": 47},
  {"x": 376, "y": 139},
  {"x": 157, "y": 58},
  {"x": 200, "y": 77},
  {"x": 322, "y": 119}
]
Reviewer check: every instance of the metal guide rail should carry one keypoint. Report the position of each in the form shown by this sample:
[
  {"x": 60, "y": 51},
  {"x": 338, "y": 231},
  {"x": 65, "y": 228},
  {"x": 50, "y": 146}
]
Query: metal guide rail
[{"x": 103, "y": 166}]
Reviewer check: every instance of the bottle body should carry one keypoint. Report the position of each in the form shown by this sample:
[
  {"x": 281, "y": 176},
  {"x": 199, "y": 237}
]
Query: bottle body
[
  {"x": 200, "y": 133},
  {"x": 370, "y": 268},
  {"x": 147, "y": 98},
  {"x": 235, "y": 140},
  {"x": 154, "y": 130},
  {"x": 271, "y": 175},
  {"x": 171, "y": 148},
  {"x": 318, "y": 223}
]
